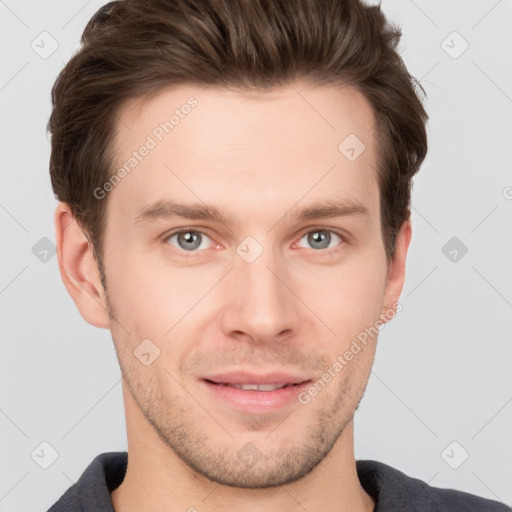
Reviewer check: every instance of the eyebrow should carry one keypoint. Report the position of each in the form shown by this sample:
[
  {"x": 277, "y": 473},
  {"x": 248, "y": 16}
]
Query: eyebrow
[{"x": 165, "y": 209}]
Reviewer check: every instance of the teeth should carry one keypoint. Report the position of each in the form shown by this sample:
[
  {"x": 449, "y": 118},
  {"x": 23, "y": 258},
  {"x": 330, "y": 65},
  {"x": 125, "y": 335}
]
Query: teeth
[{"x": 257, "y": 387}]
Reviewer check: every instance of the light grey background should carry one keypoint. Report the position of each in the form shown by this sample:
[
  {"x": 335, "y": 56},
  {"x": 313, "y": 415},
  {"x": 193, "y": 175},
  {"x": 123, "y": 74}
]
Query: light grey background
[{"x": 442, "y": 370}]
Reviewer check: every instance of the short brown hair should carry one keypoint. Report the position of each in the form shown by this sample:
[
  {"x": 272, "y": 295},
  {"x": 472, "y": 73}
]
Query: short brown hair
[{"x": 134, "y": 48}]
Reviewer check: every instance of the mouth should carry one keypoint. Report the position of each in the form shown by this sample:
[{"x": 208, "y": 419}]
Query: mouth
[{"x": 253, "y": 394}]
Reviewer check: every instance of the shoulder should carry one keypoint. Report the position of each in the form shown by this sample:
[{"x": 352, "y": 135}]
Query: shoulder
[
  {"x": 395, "y": 491},
  {"x": 92, "y": 490}
]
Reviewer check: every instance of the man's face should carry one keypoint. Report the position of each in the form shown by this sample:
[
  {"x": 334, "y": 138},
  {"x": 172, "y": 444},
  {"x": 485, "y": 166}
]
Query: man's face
[{"x": 264, "y": 291}]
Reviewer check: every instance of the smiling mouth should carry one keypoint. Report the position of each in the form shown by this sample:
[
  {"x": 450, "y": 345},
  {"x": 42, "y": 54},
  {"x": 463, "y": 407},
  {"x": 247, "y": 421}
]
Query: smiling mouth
[{"x": 255, "y": 394}]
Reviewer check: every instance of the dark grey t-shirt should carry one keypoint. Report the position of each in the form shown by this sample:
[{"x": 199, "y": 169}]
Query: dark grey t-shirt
[{"x": 392, "y": 490}]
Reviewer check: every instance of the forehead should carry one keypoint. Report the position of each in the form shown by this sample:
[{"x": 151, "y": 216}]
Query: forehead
[
  {"x": 334, "y": 109},
  {"x": 246, "y": 149}
]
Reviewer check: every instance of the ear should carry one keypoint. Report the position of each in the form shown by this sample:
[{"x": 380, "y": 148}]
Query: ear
[
  {"x": 79, "y": 269},
  {"x": 396, "y": 270}
]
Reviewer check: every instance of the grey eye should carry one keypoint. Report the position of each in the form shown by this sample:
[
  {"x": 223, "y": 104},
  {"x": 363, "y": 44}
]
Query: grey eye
[
  {"x": 320, "y": 238},
  {"x": 190, "y": 240}
]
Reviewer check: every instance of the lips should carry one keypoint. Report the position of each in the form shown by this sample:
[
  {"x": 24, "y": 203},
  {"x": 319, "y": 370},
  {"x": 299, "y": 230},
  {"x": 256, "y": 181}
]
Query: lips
[{"x": 252, "y": 393}]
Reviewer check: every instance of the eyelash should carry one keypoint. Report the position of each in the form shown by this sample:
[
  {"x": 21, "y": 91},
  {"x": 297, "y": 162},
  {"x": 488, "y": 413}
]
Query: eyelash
[{"x": 309, "y": 230}]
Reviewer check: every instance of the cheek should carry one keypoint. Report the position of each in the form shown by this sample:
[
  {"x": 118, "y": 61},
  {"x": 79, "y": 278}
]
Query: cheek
[
  {"x": 138, "y": 296},
  {"x": 151, "y": 296},
  {"x": 347, "y": 298}
]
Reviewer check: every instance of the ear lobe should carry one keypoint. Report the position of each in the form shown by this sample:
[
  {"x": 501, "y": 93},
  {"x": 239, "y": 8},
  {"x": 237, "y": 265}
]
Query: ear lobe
[
  {"x": 396, "y": 269},
  {"x": 79, "y": 269}
]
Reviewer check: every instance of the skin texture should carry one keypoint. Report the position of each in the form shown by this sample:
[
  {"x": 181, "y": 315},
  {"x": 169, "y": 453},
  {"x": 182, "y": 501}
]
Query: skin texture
[{"x": 258, "y": 157}]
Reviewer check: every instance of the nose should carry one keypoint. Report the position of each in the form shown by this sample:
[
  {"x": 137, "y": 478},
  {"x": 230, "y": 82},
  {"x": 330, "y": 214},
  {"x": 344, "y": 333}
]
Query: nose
[{"x": 260, "y": 305}]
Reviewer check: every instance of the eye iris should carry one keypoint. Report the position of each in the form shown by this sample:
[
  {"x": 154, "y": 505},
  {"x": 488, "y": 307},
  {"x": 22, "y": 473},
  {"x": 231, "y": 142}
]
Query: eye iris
[
  {"x": 319, "y": 239},
  {"x": 189, "y": 237}
]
